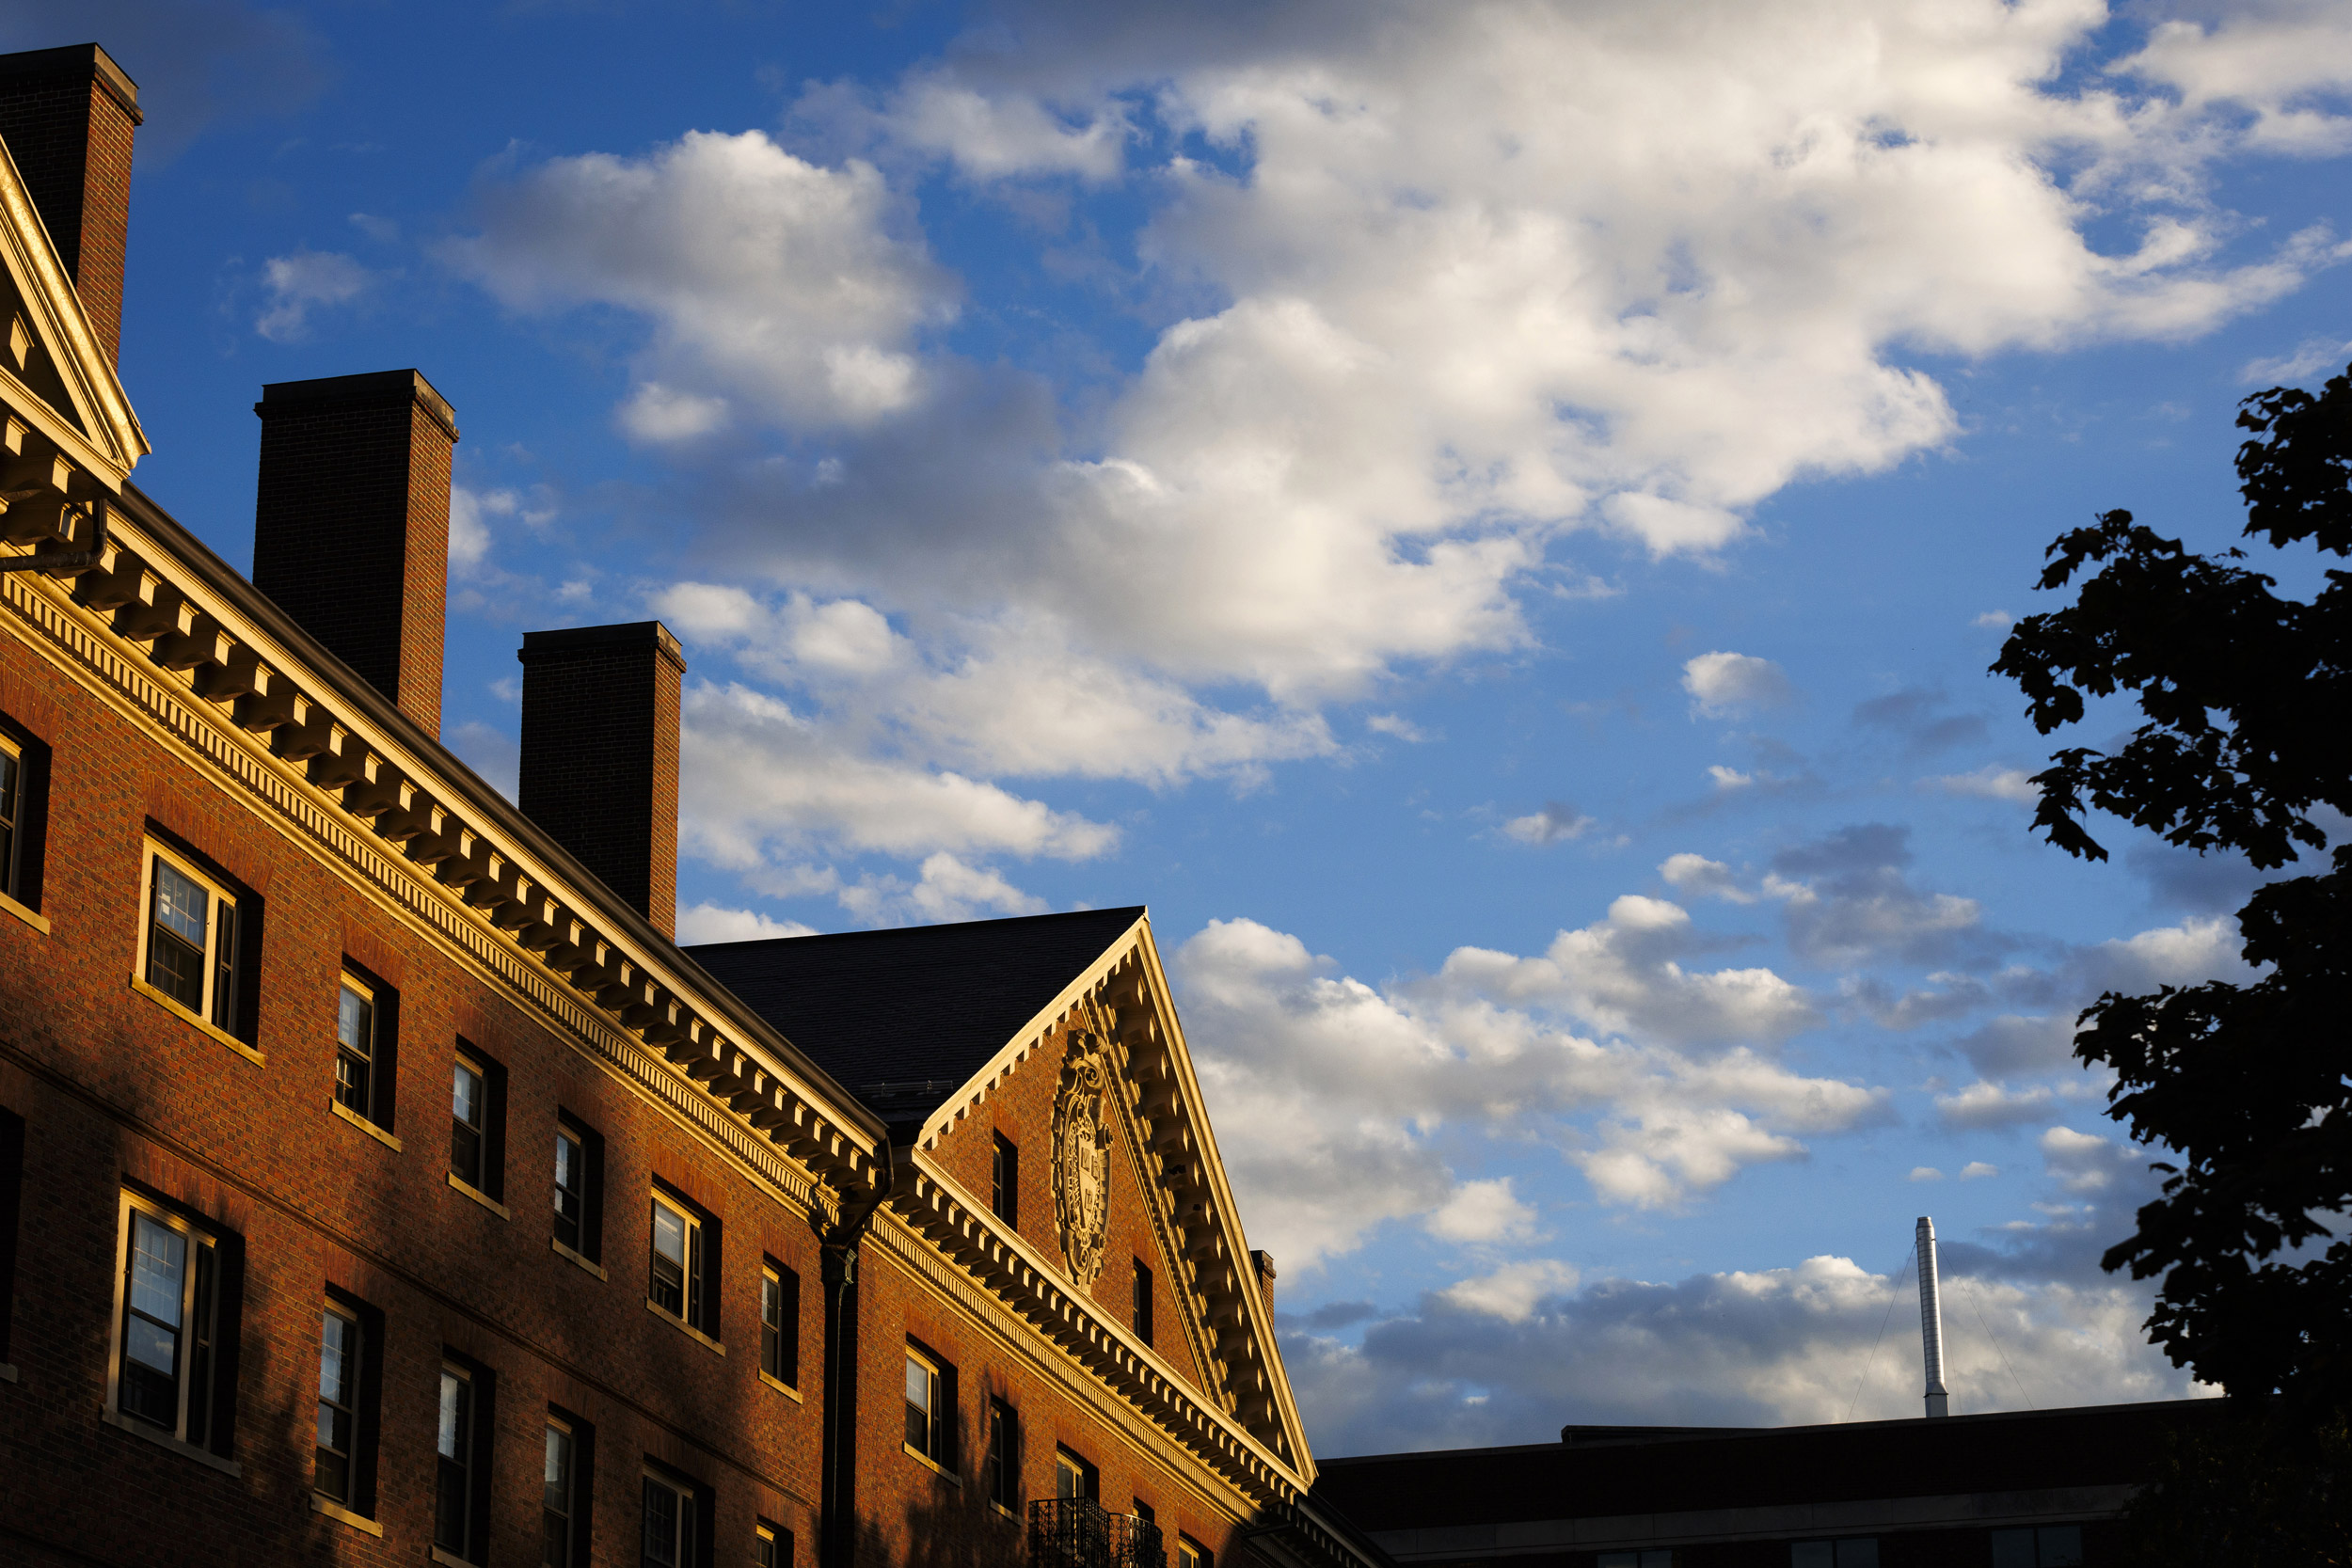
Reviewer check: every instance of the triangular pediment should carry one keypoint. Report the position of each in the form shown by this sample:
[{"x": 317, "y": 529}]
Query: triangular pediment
[
  {"x": 1169, "y": 1205},
  {"x": 58, "y": 383}
]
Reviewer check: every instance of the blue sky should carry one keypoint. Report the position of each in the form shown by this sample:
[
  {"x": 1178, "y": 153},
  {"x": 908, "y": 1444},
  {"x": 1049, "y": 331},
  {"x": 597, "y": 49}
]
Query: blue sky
[{"x": 1491, "y": 519}]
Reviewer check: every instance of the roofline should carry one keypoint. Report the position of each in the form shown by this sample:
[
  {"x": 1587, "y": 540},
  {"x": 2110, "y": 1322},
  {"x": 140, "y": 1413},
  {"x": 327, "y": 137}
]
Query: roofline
[
  {"x": 218, "y": 576},
  {"x": 1703, "y": 1435}
]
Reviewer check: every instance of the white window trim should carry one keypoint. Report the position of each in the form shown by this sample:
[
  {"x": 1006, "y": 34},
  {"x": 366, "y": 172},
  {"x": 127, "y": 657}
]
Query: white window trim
[
  {"x": 15, "y": 857},
  {"x": 688, "y": 1283},
  {"x": 150, "y": 850},
  {"x": 132, "y": 1203}
]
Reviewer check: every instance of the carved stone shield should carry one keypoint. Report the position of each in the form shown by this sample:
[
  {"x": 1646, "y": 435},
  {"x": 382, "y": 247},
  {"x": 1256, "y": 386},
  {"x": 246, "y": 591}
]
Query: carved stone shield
[{"x": 1082, "y": 1159}]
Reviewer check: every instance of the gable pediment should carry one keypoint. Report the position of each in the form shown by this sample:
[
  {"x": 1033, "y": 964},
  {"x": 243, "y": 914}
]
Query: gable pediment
[
  {"x": 1098, "y": 1095},
  {"x": 64, "y": 402}
]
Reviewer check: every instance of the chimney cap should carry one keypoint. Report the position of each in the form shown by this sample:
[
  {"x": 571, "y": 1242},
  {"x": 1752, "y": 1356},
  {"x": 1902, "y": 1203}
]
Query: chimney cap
[
  {"x": 369, "y": 387},
  {"x": 627, "y": 634},
  {"x": 71, "y": 60}
]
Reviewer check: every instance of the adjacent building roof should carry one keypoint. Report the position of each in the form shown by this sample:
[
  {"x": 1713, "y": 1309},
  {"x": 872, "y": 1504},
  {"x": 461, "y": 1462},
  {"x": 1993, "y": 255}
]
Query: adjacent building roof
[{"x": 904, "y": 1017}]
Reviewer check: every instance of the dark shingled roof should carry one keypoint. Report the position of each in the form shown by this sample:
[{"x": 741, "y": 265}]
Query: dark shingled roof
[{"x": 903, "y": 1018}]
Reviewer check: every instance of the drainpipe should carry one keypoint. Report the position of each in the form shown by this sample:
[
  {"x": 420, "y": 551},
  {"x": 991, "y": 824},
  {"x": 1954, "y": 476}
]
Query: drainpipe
[
  {"x": 837, "y": 1245},
  {"x": 1932, "y": 1320}
]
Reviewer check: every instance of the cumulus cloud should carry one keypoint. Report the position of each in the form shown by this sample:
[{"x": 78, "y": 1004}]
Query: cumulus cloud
[
  {"x": 1721, "y": 683},
  {"x": 1512, "y": 1292},
  {"x": 2308, "y": 358},
  {"x": 1701, "y": 877},
  {"x": 1338, "y": 1102},
  {"x": 1848, "y": 898},
  {"x": 471, "y": 516},
  {"x": 773, "y": 285},
  {"x": 1556, "y": 822},
  {"x": 302, "y": 282},
  {"x": 708, "y": 922},
  {"x": 1976, "y": 1170},
  {"x": 1992, "y": 783}
]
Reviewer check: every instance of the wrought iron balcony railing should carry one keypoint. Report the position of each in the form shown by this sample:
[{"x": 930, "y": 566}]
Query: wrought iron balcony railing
[{"x": 1076, "y": 1532}]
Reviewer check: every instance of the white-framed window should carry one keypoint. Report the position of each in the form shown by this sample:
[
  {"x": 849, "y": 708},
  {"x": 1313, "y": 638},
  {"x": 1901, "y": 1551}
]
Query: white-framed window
[
  {"x": 1004, "y": 1181},
  {"x": 560, "y": 1498},
  {"x": 1191, "y": 1553},
  {"x": 1074, "y": 1476},
  {"x": 166, "y": 1323},
  {"x": 188, "y": 937},
  {"x": 355, "y": 1046},
  {"x": 671, "y": 1523},
  {"x": 335, "y": 1466},
  {"x": 780, "y": 1323},
  {"x": 13, "y": 782},
  {"x": 456, "y": 1442},
  {"x": 1000, "y": 1473},
  {"x": 469, "y": 1123},
  {"x": 676, "y": 1282},
  {"x": 930, "y": 1406},
  {"x": 771, "y": 1545}
]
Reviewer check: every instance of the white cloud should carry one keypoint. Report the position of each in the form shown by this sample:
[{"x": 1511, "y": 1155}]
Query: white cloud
[
  {"x": 1993, "y": 782},
  {"x": 1485, "y": 1211},
  {"x": 1721, "y": 683},
  {"x": 1988, "y": 1105},
  {"x": 708, "y": 922},
  {"x": 2085, "y": 1164},
  {"x": 1976, "y": 1170},
  {"x": 986, "y": 136},
  {"x": 1728, "y": 779},
  {"x": 1557, "y": 823},
  {"x": 1924, "y": 1173},
  {"x": 1700, "y": 878},
  {"x": 470, "y": 512},
  {"x": 304, "y": 281},
  {"x": 1398, "y": 725},
  {"x": 1334, "y": 1096},
  {"x": 947, "y": 889},
  {"x": 1994, "y": 620},
  {"x": 1512, "y": 1292},
  {"x": 776, "y": 287},
  {"x": 2288, "y": 63},
  {"x": 2308, "y": 358}
]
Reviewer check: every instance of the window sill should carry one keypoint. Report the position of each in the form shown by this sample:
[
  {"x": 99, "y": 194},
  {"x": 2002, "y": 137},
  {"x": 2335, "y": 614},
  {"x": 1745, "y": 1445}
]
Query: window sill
[
  {"x": 479, "y": 1195},
  {"x": 450, "y": 1559},
  {"x": 32, "y": 917},
  {"x": 780, "y": 1386},
  {"x": 172, "y": 1005},
  {"x": 683, "y": 1326},
  {"x": 343, "y": 1516},
  {"x": 933, "y": 1465},
  {"x": 1002, "y": 1510},
  {"x": 563, "y": 1251},
  {"x": 165, "y": 1440},
  {"x": 364, "y": 1125}
]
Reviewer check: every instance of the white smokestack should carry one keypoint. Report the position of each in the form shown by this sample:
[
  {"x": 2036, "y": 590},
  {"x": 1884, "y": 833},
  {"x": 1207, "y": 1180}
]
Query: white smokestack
[{"x": 1932, "y": 1320}]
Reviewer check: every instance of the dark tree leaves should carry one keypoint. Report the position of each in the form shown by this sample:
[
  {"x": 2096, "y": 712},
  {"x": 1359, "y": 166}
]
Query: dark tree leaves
[{"x": 2246, "y": 733}]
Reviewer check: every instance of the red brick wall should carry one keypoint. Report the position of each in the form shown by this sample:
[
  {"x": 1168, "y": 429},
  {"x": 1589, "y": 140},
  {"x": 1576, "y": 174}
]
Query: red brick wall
[{"x": 112, "y": 1087}]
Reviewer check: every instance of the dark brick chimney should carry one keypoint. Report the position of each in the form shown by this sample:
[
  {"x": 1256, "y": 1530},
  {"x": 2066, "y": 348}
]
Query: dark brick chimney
[
  {"x": 351, "y": 524},
  {"x": 599, "y": 763},
  {"x": 67, "y": 116}
]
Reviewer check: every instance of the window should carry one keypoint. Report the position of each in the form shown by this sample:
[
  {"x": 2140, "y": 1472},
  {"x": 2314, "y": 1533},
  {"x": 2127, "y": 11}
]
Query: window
[
  {"x": 11, "y": 1204},
  {"x": 367, "y": 1014},
  {"x": 1143, "y": 1512},
  {"x": 188, "y": 940},
  {"x": 771, "y": 1545},
  {"x": 1074, "y": 1476},
  {"x": 453, "y": 1467},
  {"x": 579, "y": 1190},
  {"x": 930, "y": 1406},
  {"x": 1191, "y": 1553},
  {"x": 1142, "y": 1319},
  {"x": 24, "y": 774},
  {"x": 685, "y": 1247},
  {"x": 563, "y": 1509},
  {"x": 335, "y": 1466},
  {"x": 167, "y": 1362},
  {"x": 1000, "y": 1474},
  {"x": 1654, "y": 1558},
  {"x": 780, "y": 1324},
  {"x": 477, "y": 1122},
  {"x": 1854, "y": 1552},
  {"x": 673, "y": 1523},
  {"x": 1004, "y": 1188},
  {"x": 2045, "y": 1547}
]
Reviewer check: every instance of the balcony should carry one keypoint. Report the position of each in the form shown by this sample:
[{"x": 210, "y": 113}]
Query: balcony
[{"x": 1076, "y": 1532}]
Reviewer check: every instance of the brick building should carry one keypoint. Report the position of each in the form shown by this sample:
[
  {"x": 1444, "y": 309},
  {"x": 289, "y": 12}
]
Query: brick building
[{"x": 379, "y": 1182}]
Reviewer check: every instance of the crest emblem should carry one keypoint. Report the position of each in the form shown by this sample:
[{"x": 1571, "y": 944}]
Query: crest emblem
[{"x": 1082, "y": 1159}]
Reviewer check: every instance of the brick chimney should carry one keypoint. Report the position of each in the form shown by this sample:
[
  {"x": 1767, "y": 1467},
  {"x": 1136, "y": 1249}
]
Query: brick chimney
[
  {"x": 1261, "y": 1264},
  {"x": 351, "y": 524},
  {"x": 599, "y": 755},
  {"x": 67, "y": 116}
]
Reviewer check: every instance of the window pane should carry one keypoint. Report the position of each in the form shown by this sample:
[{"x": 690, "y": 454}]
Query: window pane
[
  {"x": 467, "y": 1102},
  {"x": 2062, "y": 1545},
  {"x": 175, "y": 967},
  {"x": 1811, "y": 1553},
  {"x": 1861, "y": 1552},
  {"x": 669, "y": 1257},
  {"x": 225, "y": 966},
  {"x": 454, "y": 1477},
  {"x": 466, "y": 1097},
  {"x": 571, "y": 1176},
  {"x": 180, "y": 905},
  {"x": 661, "y": 1522},
  {"x": 352, "y": 1018},
  {"x": 159, "y": 1262},
  {"x": 918, "y": 1407},
  {"x": 149, "y": 1386},
  {"x": 556, "y": 1509},
  {"x": 354, "y": 1037}
]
